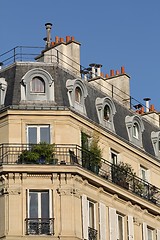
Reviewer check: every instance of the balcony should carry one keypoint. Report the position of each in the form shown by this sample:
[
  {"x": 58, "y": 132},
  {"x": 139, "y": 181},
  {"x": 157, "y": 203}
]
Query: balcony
[
  {"x": 74, "y": 155},
  {"x": 39, "y": 226}
]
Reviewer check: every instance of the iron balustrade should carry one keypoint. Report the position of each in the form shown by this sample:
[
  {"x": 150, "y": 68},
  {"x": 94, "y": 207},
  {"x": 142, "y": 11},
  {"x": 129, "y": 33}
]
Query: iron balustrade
[
  {"x": 92, "y": 233},
  {"x": 75, "y": 155},
  {"x": 39, "y": 226}
]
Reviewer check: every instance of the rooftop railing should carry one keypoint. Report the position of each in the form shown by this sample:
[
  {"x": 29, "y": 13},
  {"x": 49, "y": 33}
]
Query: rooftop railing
[{"x": 74, "y": 155}]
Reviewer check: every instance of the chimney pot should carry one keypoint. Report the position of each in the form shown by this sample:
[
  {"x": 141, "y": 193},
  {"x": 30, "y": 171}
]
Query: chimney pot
[
  {"x": 151, "y": 109},
  {"x": 111, "y": 72},
  {"x": 61, "y": 40},
  {"x": 122, "y": 70},
  {"x": 48, "y": 29},
  {"x": 117, "y": 72},
  {"x": 147, "y": 103},
  {"x": 72, "y": 39},
  {"x": 56, "y": 39},
  {"x": 67, "y": 39},
  {"x": 107, "y": 76},
  {"x": 52, "y": 44}
]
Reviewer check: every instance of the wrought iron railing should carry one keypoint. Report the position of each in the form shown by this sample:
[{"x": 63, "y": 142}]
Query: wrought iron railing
[
  {"x": 92, "y": 233},
  {"x": 39, "y": 226},
  {"x": 75, "y": 155}
]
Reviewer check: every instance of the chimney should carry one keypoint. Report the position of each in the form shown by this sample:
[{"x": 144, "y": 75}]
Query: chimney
[
  {"x": 96, "y": 69},
  {"x": 147, "y": 103},
  {"x": 48, "y": 31}
]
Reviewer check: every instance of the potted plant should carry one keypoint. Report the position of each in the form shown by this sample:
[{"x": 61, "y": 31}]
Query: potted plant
[
  {"x": 122, "y": 174},
  {"x": 38, "y": 153},
  {"x": 95, "y": 155}
]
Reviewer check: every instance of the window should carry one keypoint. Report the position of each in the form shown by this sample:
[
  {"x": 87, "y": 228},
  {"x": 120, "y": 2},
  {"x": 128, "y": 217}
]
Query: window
[
  {"x": 39, "y": 221},
  {"x": 150, "y": 233},
  {"x": 120, "y": 227},
  {"x": 107, "y": 113},
  {"x": 77, "y": 92},
  {"x": 38, "y": 133},
  {"x": 114, "y": 157},
  {"x": 37, "y": 85},
  {"x": 143, "y": 173},
  {"x": 135, "y": 128},
  {"x": 78, "y": 95},
  {"x": 106, "y": 110},
  {"x": 89, "y": 218}
]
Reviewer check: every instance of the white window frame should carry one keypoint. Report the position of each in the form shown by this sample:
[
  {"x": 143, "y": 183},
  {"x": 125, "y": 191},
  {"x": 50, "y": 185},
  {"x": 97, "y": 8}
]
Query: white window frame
[
  {"x": 94, "y": 214},
  {"x": 38, "y": 131},
  {"x": 146, "y": 173},
  {"x": 118, "y": 230},
  {"x": 116, "y": 157},
  {"x": 3, "y": 89}
]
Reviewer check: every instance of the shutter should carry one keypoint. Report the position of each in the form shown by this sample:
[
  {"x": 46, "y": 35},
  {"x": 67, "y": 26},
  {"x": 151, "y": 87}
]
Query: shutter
[
  {"x": 27, "y": 202},
  {"x": 158, "y": 234},
  {"x": 145, "y": 232},
  {"x": 102, "y": 216},
  {"x": 130, "y": 228},
  {"x": 113, "y": 224},
  {"x": 50, "y": 204},
  {"x": 85, "y": 216}
]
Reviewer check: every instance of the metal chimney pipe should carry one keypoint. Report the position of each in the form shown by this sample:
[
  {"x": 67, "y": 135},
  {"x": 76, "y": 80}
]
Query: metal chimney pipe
[
  {"x": 48, "y": 30},
  {"x": 147, "y": 103}
]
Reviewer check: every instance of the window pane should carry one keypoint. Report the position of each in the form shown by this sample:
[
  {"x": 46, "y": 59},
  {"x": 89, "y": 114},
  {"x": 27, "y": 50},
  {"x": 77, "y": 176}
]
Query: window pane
[
  {"x": 44, "y": 205},
  {"x": 91, "y": 214},
  {"x": 33, "y": 205},
  {"x": 120, "y": 227},
  {"x": 150, "y": 234},
  {"x": 37, "y": 85},
  {"x": 32, "y": 135},
  {"x": 45, "y": 134}
]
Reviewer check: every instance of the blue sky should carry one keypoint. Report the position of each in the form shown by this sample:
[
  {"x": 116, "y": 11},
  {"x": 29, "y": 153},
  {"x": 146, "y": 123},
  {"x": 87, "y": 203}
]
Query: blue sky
[{"x": 111, "y": 32}]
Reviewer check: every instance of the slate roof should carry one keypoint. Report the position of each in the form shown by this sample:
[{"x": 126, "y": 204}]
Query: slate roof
[{"x": 14, "y": 74}]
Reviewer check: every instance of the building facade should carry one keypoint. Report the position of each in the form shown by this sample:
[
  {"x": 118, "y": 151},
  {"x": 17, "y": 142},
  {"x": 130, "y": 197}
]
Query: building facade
[{"x": 77, "y": 160}]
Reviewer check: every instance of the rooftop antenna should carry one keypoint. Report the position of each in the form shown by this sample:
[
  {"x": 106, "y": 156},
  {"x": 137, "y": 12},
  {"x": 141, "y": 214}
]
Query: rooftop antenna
[{"x": 48, "y": 31}]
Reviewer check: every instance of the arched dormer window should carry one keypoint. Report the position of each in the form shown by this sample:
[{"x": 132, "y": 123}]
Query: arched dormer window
[
  {"x": 3, "y": 89},
  {"x": 135, "y": 128},
  {"x": 155, "y": 137},
  {"x": 37, "y": 85},
  {"x": 106, "y": 110},
  {"x": 77, "y": 92}
]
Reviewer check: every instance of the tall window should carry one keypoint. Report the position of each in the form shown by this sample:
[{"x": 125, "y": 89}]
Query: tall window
[
  {"x": 114, "y": 157},
  {"x": 107, "y": 113},
  {"x": 78, "y": 95},
  {"x": 37, "y": 85},
  {"x": 91, "y": 212},
  {"x": 38, "y": 221},
  {"x": 38, "y": 133},
  {"x": 150, "y": 233},
  {"x": 143, "y": 173},
  {"x": 120, "y": 227},
  {"x": 136, "y": 130}
]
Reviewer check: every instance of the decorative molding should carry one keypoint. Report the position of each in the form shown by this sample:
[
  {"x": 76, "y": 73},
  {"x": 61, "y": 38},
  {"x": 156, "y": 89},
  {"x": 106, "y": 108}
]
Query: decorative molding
[{"x": 68, "y": 192}]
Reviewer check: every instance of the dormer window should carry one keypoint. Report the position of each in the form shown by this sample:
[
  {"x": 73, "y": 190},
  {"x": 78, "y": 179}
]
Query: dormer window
[
  {"x": 135, "y": 127},
  {"x": 77, "y": 92},
  {"x": 3, "y": 89},
  {"x": 155, "y": 137},
  {"x": 106, "y": 110},
  {"x": 37, "y": 85}
]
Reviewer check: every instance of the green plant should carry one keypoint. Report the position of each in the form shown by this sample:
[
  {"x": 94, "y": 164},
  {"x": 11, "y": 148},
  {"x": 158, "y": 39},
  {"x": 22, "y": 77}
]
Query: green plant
[
  {"x": 122, "y": 174},
  {"x": 95, "y": 154},
  {"x": 38, "y": 153}
]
